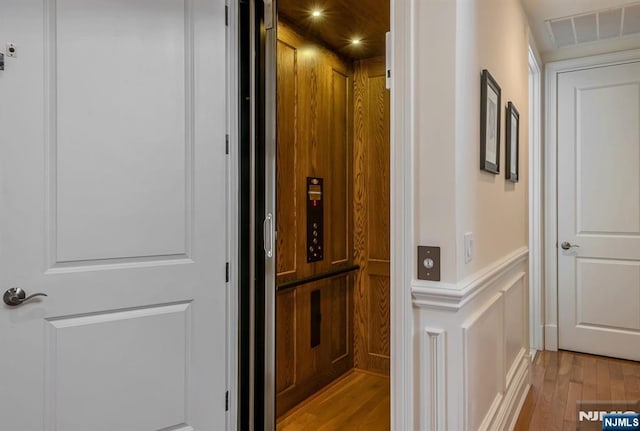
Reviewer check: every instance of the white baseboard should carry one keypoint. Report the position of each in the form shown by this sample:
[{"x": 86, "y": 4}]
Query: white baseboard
[
  {"x": 505, "y": 416},
  {"x": 523, "y": 398}
]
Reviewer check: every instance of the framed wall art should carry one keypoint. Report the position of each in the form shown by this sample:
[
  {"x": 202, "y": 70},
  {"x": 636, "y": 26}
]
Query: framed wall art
[
  {"x": 512, "y": 143},
  {"x": 490, "y": 110}
]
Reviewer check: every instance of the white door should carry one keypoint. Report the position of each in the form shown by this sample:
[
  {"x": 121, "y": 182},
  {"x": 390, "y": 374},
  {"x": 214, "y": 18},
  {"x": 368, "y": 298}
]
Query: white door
[
  {"x": 113, "y": 173},
  {"x": 599, "y": 210}
]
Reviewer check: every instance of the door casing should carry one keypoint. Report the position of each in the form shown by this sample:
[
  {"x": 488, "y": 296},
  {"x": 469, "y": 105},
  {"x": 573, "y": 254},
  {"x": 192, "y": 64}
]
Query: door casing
[{"x": 536, "y": 254}]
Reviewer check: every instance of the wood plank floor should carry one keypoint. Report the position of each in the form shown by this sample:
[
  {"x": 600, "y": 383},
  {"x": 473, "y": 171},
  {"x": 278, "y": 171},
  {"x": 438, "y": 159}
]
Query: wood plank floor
[
  {"x": 359, "y": 401},
  {"x": 559, "y": 379}
]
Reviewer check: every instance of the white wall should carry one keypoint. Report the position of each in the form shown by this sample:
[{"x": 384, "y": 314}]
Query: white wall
[
  {"x": 457, "y": 40},
  {"x": 471, "y": 329},
  {"x": 493, "y": 35},
  {"x": 436, "y": 129}
]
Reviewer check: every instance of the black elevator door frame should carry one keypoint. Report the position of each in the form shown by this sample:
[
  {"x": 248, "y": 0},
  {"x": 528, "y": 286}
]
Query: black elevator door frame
[
  {"x": 252, "y": 199},
  {"x": 246, "y": 218}
]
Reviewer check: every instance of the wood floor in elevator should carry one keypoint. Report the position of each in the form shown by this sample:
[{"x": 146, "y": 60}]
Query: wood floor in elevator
[{"x": 357, "y": 401}]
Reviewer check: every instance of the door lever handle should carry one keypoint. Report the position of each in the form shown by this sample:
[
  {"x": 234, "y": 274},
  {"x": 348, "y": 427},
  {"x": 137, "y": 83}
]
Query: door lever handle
[
  {"x": 16, "y": 296},
  {"x": 566, "y": 245},
  {"x": 267, "y": 231}
]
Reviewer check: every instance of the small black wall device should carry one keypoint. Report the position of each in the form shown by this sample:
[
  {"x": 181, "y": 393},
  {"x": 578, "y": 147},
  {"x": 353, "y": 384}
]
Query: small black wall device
[{"x": 315, "y": 224}]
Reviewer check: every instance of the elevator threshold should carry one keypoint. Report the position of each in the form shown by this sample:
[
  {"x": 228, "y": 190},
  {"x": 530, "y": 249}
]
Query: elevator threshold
[{"x": 357, "y": 401}]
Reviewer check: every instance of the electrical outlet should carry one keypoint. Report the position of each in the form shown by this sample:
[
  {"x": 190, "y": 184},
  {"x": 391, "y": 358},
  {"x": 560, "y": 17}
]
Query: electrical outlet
[{"x": 468, "y": 247}]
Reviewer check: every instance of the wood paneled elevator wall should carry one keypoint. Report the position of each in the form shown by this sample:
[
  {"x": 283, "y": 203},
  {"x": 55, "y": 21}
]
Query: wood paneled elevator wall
[
  {"x": 372, "y": 217},
  {"x": 332, "y": 123}
]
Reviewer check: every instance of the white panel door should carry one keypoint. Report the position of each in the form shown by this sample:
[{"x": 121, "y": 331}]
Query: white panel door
[
  {"x": 113, "y": 179},
  {"x": 599, "y": 210}
]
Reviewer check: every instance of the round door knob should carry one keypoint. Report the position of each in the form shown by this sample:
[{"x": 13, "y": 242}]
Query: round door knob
[{"x": 16, "y": 296}]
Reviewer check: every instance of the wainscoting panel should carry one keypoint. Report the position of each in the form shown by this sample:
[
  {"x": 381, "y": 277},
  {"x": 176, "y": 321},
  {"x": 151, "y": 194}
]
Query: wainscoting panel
[
  {"x": 483, "y": 360},
  {"x": 515, "y": 306},
  {"x": 486, "y": 322},
  {"x": 434, "y": 380}
]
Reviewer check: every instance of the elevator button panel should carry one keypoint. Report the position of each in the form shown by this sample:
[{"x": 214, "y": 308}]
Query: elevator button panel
[{"x": 315, "y": 220}]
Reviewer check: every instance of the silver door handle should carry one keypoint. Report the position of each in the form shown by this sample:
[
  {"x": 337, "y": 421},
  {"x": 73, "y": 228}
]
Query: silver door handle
[
  {"x": 16, "y": 296},
  {"x": 566, "y": 245},
  {"x": 267, "y": 230}
]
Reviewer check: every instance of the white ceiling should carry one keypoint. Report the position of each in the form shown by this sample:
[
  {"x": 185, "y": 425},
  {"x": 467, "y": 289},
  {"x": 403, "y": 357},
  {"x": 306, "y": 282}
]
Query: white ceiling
[{"x": 539, "y": 11}]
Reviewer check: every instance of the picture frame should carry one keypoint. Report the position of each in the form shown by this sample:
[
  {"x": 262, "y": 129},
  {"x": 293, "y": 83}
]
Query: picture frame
[
  {"x": 490, "y": 113},
  {"x": 512, "y": 143}
]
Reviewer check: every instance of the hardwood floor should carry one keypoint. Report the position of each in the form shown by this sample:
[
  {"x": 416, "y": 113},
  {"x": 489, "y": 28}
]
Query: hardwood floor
[
  {"x": 358, "y": 401},
  {"x": 559, "y": 379}
]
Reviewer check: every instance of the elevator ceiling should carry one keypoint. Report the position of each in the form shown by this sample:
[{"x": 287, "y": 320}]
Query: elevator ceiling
[{"x": 338, "y": 23}]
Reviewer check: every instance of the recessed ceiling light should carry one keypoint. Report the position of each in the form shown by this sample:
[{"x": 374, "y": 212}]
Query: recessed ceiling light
[
  {"x": 316, "y": 13},
  {"x": 356, "y": 41}
]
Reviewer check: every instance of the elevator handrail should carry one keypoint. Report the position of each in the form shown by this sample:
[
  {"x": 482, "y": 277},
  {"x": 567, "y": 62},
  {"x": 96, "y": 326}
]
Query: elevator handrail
[{"x": 316, "y": 277}]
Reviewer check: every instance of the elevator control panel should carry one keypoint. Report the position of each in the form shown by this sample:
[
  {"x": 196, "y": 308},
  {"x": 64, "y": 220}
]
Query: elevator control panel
[{"x": 315, "y": 223}]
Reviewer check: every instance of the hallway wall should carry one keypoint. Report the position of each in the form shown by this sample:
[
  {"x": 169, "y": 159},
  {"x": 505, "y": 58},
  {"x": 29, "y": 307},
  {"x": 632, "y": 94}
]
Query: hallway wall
[
  {"x": 468, "y": 36},
  {"x": 493, "y": 36},
  {"x": 472, "y": 342}
]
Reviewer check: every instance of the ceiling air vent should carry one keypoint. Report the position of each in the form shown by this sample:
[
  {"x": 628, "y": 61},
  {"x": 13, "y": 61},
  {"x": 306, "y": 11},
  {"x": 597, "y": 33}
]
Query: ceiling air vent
[
  {"x": 594, "y": 26},
  {"x": 563, "y": 34},
  {"x": 586, "y": 28},
  {"x": 609, "y": 23},
  {"x": 631, "y": 22}
]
